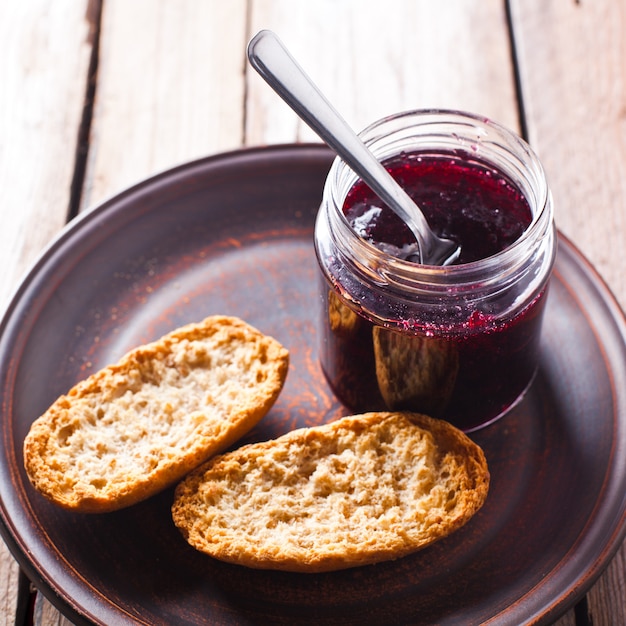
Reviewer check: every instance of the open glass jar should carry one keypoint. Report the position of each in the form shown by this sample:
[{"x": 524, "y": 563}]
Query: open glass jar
[{"x": 459, "y": 342}]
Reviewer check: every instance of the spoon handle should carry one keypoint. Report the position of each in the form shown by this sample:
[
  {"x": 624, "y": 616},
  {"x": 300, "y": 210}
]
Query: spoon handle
[{"x": 281, "y": 71}]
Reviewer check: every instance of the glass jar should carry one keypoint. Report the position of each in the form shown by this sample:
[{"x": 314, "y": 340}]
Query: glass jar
[{"x": 459, "y": 342}]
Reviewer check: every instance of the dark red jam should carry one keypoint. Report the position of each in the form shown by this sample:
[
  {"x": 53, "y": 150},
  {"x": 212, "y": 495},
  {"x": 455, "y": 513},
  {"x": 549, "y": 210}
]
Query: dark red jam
[
  {"x": 466, "y": 365},
  {"x": 462, "y": 200}
]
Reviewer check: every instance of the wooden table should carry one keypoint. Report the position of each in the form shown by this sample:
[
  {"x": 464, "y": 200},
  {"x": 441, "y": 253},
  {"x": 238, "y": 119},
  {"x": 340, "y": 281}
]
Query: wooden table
[{"x": 96, "y": 95}]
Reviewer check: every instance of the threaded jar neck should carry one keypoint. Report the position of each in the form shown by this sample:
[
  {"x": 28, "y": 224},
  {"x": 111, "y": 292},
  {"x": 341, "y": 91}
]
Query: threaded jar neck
[{"x": 355, "y": 260}]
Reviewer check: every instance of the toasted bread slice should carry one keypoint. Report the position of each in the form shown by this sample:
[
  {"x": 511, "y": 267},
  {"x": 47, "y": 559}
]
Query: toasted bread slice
[
  {"x": 133, "y": 428},
  {"x": 356, "y": 491}
]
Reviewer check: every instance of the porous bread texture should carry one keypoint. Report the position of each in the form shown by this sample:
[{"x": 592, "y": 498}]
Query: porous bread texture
[
  {"x": 353, "y": 492},
  {"x": 136, "y": 427}
]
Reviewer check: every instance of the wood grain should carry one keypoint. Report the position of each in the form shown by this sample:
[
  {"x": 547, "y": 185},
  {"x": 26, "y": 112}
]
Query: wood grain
[
  {"x": 573, "y": 70},
  {"x": 170, "y": 89},
  {"x": 45, "y": 614},
  {"x": 572, "y": 59},
  {"x": 371, "y": 60},
  {"x": 43, "y": 73},
  {"x": 607, "y": 599}
]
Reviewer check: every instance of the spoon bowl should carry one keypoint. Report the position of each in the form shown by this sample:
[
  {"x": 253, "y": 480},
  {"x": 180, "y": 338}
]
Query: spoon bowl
[{"x": 269, "y": 57}]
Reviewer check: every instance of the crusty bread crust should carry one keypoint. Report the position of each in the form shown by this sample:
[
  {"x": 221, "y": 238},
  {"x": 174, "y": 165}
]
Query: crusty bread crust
[
  {"x": 133, "y": 428},
  {"x": 356, "y": 491}
]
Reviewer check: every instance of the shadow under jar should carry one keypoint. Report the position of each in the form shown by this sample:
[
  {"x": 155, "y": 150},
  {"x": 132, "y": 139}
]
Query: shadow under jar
[{"x": 459, "y": 342}]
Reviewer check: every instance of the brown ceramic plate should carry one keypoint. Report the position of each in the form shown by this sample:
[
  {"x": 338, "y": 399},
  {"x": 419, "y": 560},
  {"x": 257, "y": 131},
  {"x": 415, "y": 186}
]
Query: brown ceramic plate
[{"x": 233, "y": 234}]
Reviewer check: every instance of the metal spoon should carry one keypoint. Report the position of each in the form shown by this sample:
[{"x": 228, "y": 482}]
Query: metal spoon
[{"x": 279, "y": 69}]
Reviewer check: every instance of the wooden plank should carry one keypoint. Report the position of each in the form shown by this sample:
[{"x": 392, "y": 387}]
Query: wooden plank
[
  {"x": 43, "y": 70},
  {"x": 607, "y": 599},
  {"x": 573, "y": 60},
  {"x": 573, "y": 55},
  {"x": 169, "y": 90},
  {"x": 374, "y": 58},
  {"x": 43, "y": 73},
  {"x": 45, "y": 614}
]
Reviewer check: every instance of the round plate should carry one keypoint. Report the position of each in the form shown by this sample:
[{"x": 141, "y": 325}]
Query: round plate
[{"x": 232, "y": 234}]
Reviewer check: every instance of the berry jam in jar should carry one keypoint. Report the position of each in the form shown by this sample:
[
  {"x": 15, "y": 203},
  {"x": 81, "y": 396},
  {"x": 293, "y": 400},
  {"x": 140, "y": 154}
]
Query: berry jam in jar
[{"x": 459, "y": 342}]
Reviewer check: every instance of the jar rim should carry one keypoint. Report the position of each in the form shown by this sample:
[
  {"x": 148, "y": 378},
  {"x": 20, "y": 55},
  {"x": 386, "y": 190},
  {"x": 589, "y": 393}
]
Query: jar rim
[{"x": 484, "y": 135}]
